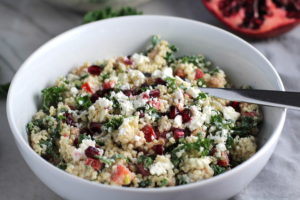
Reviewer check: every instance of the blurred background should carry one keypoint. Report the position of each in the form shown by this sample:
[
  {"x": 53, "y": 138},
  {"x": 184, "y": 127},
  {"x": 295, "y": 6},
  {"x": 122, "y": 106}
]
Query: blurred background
[{"x": 27, "y": 24}]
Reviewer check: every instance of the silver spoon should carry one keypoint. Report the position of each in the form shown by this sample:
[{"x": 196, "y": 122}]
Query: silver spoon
[{"x": 273, "y": 98}]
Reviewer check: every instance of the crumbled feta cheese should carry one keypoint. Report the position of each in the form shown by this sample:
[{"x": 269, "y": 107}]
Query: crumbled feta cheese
[
  {"x": 230, "y": 113},
  {"x": 80, "y": 152},
  {"x": 161, "y": 165},
  {"x": 167, "y": 72},
  {"x": 194, "y": 92},
  {"x": 74, "y": 91},
  {"x": 177, "y": 121},
  {"x": 125, "y": 86},
  {"x": 178, "y": 97},
  {"x": 139, "y": 59},
  {"x": 137, "y": 77},
  {"x": 104, "y": 103}
]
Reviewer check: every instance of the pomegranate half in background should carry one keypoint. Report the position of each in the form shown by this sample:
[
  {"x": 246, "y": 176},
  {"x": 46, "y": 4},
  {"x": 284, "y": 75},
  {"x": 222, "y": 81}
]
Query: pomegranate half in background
[{"x": 258, "y": 19}]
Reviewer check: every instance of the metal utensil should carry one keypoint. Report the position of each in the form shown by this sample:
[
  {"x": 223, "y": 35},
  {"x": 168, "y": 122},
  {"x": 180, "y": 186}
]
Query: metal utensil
[{"x": 273, "y": 98}]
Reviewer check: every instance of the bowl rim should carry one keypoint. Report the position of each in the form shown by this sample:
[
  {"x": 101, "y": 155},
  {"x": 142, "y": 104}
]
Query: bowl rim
[{"x": 20, "y": 141}]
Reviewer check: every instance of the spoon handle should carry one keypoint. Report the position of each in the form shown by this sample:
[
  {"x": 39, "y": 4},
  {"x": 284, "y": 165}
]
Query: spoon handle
[{"x": 273, "y": 98}]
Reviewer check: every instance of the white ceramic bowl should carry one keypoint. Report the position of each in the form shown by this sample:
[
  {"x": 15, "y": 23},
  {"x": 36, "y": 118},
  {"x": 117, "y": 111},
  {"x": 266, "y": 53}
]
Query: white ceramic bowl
[{"x": 123, "y": 36}]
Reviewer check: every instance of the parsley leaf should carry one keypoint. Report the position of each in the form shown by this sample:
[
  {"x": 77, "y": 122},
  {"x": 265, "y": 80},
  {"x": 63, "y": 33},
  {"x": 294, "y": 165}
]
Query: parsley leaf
[
  {"x": 145, "y": 160},
  {"x": 145, "y": 183},
  {"x": 109, "y": 13},
  {"x": 171, "y": 83},
  {"x": 51, "y": 96},
  {"x": 218, "y": 169},
  {"x": 113, "y": 124},
  {"x": 83, "y": 102}
]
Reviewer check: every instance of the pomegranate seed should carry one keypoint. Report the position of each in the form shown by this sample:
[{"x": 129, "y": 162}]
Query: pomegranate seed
[
  {"x": 199, "y": 74},
  {"x": 249, "y": 114},
  {"x": 127, "y": 61},
  {"x": 154, "y": 93},
  {"x": 91, "y": 152},
  {"x": 76, "y": 142},
  {"x": 108, "y": 85},
  {"x": 69, "y": 119},
  {"x": 149, "y": 133},
  {"x": 95, "y": 70},
  {"x": 95, "y": 127},
  {"x": 127, "y": 92},
  {"x": 94, "y": 97},
  {"x": 186, "y": 115},
  {"x": 142, "y": 114},
  {"x": 224, "y": 161},
  {"x": 160, "y": 81},
  {"x": 235, "y": 105},
  {"x": 145, "y": 96},
  {"x": 87, "y": 88},
  {"x": 173, "y": 112},
  {"x": 141, "y": 169},
  {"x": 178, "y": 133},
  {"x": 158, "y": 149},
  {"x": 85, "y": 131}
]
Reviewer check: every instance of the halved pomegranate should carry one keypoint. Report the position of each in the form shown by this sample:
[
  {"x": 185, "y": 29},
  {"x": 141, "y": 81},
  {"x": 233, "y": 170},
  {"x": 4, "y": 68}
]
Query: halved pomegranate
[{"x": 257, "y": 19}]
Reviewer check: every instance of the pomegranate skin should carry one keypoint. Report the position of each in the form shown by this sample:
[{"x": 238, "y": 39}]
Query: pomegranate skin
[{"x": 278, "y": 27}]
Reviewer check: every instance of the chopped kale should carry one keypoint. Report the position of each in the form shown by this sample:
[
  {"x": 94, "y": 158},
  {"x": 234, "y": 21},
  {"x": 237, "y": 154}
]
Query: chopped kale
[
  {"x": 145, "y": 160},
  {"x": 145, "y": 183},
  {"x": 109, "y": 13},
  {"x": 163, "y": 183},
  {"x": 105, "y": 76},
  {"x": 51, "y": 96},
  {"x": 246, "y": 126},
  {"x": 116, "y": 104},
  {"x": 83, "y": 102},
  {"x": 171, "y": 83},
  {"x": 113, "y": 124},
  {"x": 229, "y": 142},
  {"x": 198, "y": 61},
  {"x": 83, "y": 137},
  {"x": 170, "y": 56},
  {"x": 218, "y": 169}
]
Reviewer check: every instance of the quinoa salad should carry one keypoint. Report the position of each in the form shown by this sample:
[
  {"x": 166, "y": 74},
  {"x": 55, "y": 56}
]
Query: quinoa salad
[{"x": 142, "y": 121}]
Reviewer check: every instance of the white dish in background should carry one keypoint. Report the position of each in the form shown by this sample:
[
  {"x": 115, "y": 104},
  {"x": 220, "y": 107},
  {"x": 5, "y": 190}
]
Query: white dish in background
[{"x": 123, "y": 36}]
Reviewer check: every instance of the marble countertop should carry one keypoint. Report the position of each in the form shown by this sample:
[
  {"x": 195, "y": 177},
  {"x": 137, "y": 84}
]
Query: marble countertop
[{"x": 27, "y": 24}]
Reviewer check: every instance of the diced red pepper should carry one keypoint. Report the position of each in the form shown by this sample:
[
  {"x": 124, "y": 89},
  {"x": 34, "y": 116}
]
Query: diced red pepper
[
  {"x": 224, "y": 160},
  {"x": 108, "y": 85},
  {"x": 199, "y": 74},
  {"x": 121, "y": 175},
  {"x": 95, "y": 163},
  {"x": 178, "y": 133},
  {"x": 149, "y": 133},
  {"x": 87, "y": 88}
]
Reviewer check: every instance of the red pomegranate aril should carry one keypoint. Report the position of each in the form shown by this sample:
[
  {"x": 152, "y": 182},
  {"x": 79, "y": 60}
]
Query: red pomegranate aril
[
  {"x": 235, "y": 105},
  {"x": 173, "y": 112},
  {"x": 95, "y": 127},
  {"x": 160, "y": 81},
  {"x": 158, "y": 149},
  {"x": 186, "y": 115},
  {"x": 94, "y": 97},
  {"x": 199, "y": 74},
  {"x": 127, "y": 61},
  {"x": 224, "y": 160},
  {"x": 149, "y": 133},
  {"x": 127, "y": 92},
  {"x": 91, "y": 152},
  {"x": 141, "y": 169},
  {"x": 76, "y": 142},
  {"x": 178, "y": 133},
  {"x": 69, "y": 119},
  {"x": 95, "y": 70},
  {"x": 142, "y": 114},
  {"x": 154, "y": 93}
]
